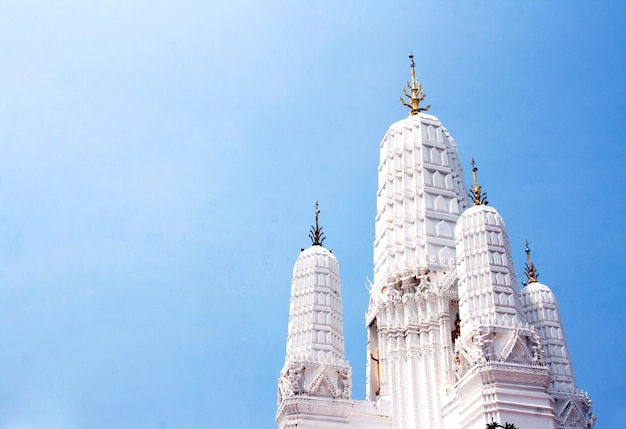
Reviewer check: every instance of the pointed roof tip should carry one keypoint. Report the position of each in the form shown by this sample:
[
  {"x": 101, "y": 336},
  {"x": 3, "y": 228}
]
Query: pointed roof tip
[
  {"x": 529, "y": 267},
  {"x": 417, "y": 96},
  {"x": 475, "y": 193},
  {"x": 316, "y": 234}
]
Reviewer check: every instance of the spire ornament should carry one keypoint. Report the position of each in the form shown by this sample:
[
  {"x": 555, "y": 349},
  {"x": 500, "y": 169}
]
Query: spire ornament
[
  {"x": 529, "y": 267},
  {"x": 416, "y": 95},
  {"x": 475, "y": 193},
  {"x": 316, "y": 234}
]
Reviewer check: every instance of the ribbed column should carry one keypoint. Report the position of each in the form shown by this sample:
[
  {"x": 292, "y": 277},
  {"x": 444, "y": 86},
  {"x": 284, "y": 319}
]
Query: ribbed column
[
  {"x": 542, "y": 312},
  {"x": 487, "y": 284},
  {"x": 315, "y": 320},
  {"x": 316, "y": 381},
  {"x": 420, "y": 196}
]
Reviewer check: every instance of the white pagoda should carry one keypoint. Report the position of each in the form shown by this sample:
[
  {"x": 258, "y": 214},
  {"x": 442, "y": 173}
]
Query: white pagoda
[{"x": 452, "y": 341}]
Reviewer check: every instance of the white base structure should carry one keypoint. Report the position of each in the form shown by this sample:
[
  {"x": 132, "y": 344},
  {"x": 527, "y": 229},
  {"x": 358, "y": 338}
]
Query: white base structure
[{"x": 452, "y": 342}]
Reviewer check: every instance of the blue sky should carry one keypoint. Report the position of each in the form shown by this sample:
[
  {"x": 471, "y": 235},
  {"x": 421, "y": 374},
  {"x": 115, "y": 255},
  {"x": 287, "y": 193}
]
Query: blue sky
[{"x": 159, "y": 162}]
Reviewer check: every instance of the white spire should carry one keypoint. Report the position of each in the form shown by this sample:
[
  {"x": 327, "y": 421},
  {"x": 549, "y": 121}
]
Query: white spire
[
  {"x": 572, "y": 407},
  {"x": 421, "y": 193},
  {"x": 315, "y": 322},
  {"x": 487, "y": 284},
  {"x": 316, "y": 381}
]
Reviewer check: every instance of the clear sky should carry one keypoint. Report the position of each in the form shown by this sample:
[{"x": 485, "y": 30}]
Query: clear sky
[{"x": 159, "y": 163}]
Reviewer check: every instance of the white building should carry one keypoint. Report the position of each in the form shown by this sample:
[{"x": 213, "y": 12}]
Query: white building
[{"x": 452, "y": 341}]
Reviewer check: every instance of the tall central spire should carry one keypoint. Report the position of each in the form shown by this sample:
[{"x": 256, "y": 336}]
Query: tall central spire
[
  {"x": 421, "y": 193},
  {"x": 417, "y": 96}
]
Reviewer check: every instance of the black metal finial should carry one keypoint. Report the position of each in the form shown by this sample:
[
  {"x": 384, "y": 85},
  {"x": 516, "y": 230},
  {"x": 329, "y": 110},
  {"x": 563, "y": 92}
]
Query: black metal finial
[
  {"x": 316, "y": 234},
  {"x": 529, "y": 268}
]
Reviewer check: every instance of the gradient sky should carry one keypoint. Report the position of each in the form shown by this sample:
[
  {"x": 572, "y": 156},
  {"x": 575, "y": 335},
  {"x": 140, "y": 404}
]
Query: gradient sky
[{"x": 159, "y": 162}]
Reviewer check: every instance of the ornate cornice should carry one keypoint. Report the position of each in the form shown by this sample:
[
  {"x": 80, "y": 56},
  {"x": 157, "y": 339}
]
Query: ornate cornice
[
  {"x": 301, "y": 407},
  {"x": 508, "y": 372}
]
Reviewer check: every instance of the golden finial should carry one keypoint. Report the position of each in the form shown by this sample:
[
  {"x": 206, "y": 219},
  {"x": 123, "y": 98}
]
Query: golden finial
[
  {"x": 529, "y": 269},
  {"x": 476, "y": 194},
  {"x": 316, "y": 234},
  {"x": 416, "y": 96}
]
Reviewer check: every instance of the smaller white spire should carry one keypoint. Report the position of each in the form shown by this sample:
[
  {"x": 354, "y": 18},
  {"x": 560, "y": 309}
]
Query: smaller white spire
[
  {"x": 541, "y": 311},
  {"x": 315, "y": 370},
  {"x": 315, "y": 321},
  {"x": 572, "y": 407},
  {"x": 487, "y": 284}
]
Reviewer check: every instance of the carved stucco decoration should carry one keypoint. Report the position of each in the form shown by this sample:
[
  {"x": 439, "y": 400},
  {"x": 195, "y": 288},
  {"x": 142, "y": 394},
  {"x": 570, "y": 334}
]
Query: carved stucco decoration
[
  {"x": 314, "y": 379},
  {"x": 511, "y": 344}
]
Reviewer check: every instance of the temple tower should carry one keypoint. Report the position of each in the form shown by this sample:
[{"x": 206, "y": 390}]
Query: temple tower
[
  {"x": 412, "y": 305},
  {"x": 452, "y": 342},
  {"x": 315, "y": 383},
  {"x": 572, "y": 407}
]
